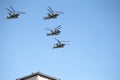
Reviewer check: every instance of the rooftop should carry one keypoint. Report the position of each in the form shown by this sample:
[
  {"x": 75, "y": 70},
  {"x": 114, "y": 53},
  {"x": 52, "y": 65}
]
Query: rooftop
[{"x": 40, "y": 74}]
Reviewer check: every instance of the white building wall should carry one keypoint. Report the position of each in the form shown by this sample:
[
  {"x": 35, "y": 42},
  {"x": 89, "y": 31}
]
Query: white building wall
[
  {"x": 42, "y": 78},
  {"x": 37, "y": 77},
  {"x": 32, "y": 78}
]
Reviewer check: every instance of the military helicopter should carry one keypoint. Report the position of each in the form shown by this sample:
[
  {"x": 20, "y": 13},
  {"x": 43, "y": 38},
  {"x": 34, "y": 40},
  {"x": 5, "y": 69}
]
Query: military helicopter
[
  {"x": 56, "y": 31},
  {"x": 13, "y": 14},
  {"x": 52, "y": 14},
  {"x": 59, "y": 44}
]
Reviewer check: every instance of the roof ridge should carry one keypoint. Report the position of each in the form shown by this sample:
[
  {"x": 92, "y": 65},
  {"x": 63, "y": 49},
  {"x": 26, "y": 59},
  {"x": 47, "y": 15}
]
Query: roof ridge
[{"x": 40, "y": 74}]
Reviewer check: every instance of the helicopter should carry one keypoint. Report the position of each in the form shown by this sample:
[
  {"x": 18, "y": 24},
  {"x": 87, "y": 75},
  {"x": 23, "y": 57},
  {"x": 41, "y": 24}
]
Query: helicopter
[
  {"x": 56, "y": 31},
  {"x": 13, "y": 14},
  {"x": 52, "y": 14},
  {"x": 59, "y": 44}
]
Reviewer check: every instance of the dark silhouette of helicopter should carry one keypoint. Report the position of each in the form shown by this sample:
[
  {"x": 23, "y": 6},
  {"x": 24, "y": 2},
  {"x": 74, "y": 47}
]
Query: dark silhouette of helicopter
[
  {"x": 56, "y": 31},
  {"x": 13, "y": 14},
  {"x": 52, "y": 14},
  {"x": 59, "y": 44}
]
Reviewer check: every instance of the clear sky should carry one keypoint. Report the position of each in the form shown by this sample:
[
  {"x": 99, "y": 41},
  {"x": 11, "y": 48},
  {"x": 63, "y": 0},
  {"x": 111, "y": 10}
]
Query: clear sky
[{"x": 91, "y": 26}]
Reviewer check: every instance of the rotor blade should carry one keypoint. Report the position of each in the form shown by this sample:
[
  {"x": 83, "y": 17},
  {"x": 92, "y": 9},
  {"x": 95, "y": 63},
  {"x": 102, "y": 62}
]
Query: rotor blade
[
  {"x": 58, "y": 40},
  {"x": 12, "y": 9},
  {"x": 20, "y": 12},
  {"x": 50, "y": 9},
  {"x": 58, "y": 27},
  {"x": 48, "y": 29},
  {"x": 65, "y": 41},
  {"x": 9, "y": 10},
  {"x": 59, "y": 12}
]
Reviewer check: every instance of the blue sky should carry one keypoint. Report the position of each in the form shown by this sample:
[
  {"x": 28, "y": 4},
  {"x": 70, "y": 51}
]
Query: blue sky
[{"x": 91, "y": 26}]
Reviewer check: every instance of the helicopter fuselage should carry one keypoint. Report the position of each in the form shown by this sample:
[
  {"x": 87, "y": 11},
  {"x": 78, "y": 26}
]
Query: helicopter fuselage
[
  {"x": 51, "y": 16},
  {"x": 54, "y": 33},
  {"x": 58, "y": 45},
  {"x": 11, "y": 16}
]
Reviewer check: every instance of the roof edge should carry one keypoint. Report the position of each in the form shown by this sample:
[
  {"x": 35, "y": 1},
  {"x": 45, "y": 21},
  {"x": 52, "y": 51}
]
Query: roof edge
[{"x": 40, "y": 74}]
